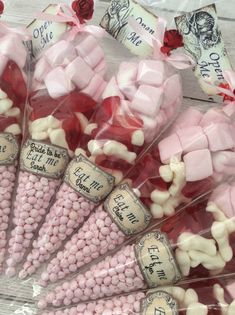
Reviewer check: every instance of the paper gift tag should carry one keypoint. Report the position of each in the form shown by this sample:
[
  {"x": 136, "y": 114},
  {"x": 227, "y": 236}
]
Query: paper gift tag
[
  {"x": 115, "y": 22},
  {"x": 204, "y": 43},
  {"x": 45, "y": 33}
]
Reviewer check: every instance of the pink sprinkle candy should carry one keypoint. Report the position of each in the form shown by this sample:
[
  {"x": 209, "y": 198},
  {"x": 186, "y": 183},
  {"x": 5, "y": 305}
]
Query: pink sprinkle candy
[
  {"x": 91, "y": 284},
  {"x": 27, "y": 216}
]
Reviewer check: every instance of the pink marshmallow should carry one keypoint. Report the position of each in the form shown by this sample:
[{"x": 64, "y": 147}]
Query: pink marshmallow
[
  {"x": 112, "y": 89},
  {"x": 188, "y": 118},
  {"x": 12, "y": 47},
  {"x": 126, "y": 79},
  {"x": 170, "y": 147},
  {"x": 219, "y": 136},
  {"x": 86, "y": 45},
  {"x": 147, "y": 100},
  {"x": 223, "y": 161},
  {"x": 97, "y": 83},
  {"x": 172, "y": 90},
  {"x": 42, "y": 68},
  {"x": 213, "y": 116},
  {"x": 94, "y": 57},
  {"x": 192, "y": 139},
  {"x": 151, "y": 72},
  {"x": 101, "y": 68},
  {"x": 198, "y": 165},
  {"x": 57, "y": 83},
  {"x": 79, "y": 72},
  {"x": 60, "y": 54}
]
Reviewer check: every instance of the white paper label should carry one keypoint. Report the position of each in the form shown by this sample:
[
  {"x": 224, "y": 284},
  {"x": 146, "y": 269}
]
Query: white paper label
[
  {"x": 9, "y": 148},
  {"x": 126, "y": 210},
  {"x": 204, "y": 43},
  {"x": 156, "y": 260},
  {"x": 43, "y": 159},
  {"x": 89, "y": 180},
  {"x": 115, "y": 22},
  {"x": 45, "y": 33},
  {"x": 159, "y": 303}
]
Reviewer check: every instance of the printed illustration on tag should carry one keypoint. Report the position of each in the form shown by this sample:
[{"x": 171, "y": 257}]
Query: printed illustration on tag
[
  {"x": 89, "y": 180},
  {"x": 159, "y": 303},
  {"x": 9, "y": 149},
  {"x": 126, "y": 210},
  {"x": 43, "y": 159},
  {"x": 156, "y": 260},
  {"x": 45, "y": 33},
  {"x": 115, "y": 22},
  {"x": 204, "y": 43}
]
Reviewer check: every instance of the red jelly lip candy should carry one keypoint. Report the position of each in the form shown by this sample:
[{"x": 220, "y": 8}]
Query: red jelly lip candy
[
  {"x": 72, "y": 129},
  {"x": 13, "y": 84},
  {"x": 79, "y": 102}
]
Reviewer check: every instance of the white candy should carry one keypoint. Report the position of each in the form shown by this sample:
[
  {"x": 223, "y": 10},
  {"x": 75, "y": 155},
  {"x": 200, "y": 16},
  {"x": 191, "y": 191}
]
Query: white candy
[
  {"x": 43, "y": 124},
  {"x": 80, "y": 151},
  {"x": 94, "y": 147},
  {"x": 159, "y": 197},
  {"x": 119, "y": 150},
  {"x": 5, "y": 105},
  {"x": 179, "y": 181},
  {"x": 39, "y": 135},
  {"x": 197, "y": 309},
  {"x": 13, "y": 112},
  {"x": 216, "y": 212},
  {"x": 157, "y": 211},
  {"x": 14, "y": 129},
  {"x": 166, "y": 173},
  {"x": 221, "y": 235},
  {"x": 179, "y": 294},
  {"x": 218, "y": 292},
  {"x": 83, "y": 120},
  {"x": 183, "y": 260},
  {"x": 2, "y": 94},
  {"x": 208, "y": 262},
  {"x": 58, "y": 137},
  {"x": 231, "y": 309},
  {"x": 89, "y": 128},
  {"x": 137, "y": 138},
  {"x": 190, "y": 297},
  {"x": 188, "y": 241}
]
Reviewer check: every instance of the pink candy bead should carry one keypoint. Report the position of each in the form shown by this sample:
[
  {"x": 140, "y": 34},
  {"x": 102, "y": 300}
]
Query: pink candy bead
[
  {"x": 122, "y": 305},
  {"x": 7, "y": 181},
  {"x": 26, "y": 215},
  {"x": 94, "y": 284},
  {"x": 97, "y": 236},
  {"x": 61, "y": 221}
]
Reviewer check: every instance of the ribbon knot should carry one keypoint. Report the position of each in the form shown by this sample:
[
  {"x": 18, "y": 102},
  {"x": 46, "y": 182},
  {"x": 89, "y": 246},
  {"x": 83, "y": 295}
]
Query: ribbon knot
[
  {"x": 156, "y": 41},
  {"x": 65, "y": 14}
]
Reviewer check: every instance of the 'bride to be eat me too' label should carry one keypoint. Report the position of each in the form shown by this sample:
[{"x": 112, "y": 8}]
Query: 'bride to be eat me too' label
[{"x": 43, "y": 159}]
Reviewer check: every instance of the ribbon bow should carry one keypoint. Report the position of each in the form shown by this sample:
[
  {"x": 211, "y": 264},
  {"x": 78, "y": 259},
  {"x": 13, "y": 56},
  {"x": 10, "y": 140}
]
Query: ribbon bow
[
  {"x": 66, "y": 15},
  {"x": 228, "y": 90},
  {"x": 22, "y": 32},
  {"x": 179, "y": 61}
]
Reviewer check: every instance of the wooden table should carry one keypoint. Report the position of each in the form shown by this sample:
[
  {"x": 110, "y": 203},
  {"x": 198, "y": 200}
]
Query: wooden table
[{"x": 18, "y": 297}]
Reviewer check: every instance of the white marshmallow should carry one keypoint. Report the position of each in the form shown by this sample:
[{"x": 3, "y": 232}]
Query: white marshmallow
[
  {"x": 5, "y": 105},
  {"x": 119, "y": 150},
  {"x": 13, "y": 112},
  {"x": 159, "y": 197},
  {"x": 183, "y": 260},
  {"x": 221, "y": 235},
  {"x": 58, "y": 137},
  {"x": 83, "y": 120},
  {"x": 94, "y": 147},
  {"x": 188, "y": 241},
  {"x": 197, "y": 309},
  {"x": 190, "y": 297},
  {"x": 39, "y": 135},
  {"x": 166, "y": 173},
  {"x": 89, "y": 128},
  {"x": 157, "y": 211},
  {"x": 3, "y": 95},
  {"x": 14, "y": 129},
  {"x": 137, "y": 138}
]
